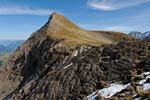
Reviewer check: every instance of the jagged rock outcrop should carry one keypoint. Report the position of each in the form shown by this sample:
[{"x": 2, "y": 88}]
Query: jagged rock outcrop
[{"x": 57, "y": 62}]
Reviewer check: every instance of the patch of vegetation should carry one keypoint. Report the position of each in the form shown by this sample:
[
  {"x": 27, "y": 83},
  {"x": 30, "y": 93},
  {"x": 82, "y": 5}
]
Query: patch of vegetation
[
  {"x": 3, "y": 58},
  {"x": 61, "y": 28}
]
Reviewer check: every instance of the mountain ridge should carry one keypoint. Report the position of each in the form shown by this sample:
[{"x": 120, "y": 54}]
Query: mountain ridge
[
  {"x": 59, "y": 27},
  {"x": 7, "y": 46},
  {"x": 140, "y": 35},
  {"x": 47, "y": 67}
]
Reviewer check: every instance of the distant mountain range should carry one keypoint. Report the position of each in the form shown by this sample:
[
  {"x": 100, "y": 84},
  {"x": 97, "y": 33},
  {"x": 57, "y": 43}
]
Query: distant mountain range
[
  {"x": 9, "y": 45},
  {"x": 140, "y": 35}
]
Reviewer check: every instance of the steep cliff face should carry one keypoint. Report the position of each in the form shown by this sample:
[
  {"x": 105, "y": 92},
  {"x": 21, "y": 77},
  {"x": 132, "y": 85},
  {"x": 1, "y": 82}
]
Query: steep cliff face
[
  {"x": 74, "y": 72},
  {"x": 58, "y": 62}
]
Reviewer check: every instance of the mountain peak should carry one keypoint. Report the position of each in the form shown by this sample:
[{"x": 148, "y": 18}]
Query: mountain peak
[
  {"x": 57, "y": 19},
  {"x": 57, "y": 23},
  {"x": 60, "y": 28},
  {"x": 56, "y": 15},
  {"x": 140, "y": 35},
  {"x": 60, "y": 59}
]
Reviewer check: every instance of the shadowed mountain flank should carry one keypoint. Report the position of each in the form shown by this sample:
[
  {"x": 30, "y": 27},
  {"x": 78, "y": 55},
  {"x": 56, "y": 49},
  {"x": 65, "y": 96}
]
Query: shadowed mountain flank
[{"x": 62, "y": 61}]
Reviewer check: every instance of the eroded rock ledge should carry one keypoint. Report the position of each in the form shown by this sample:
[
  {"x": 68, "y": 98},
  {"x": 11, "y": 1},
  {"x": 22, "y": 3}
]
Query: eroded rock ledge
[{"x": 50, "y": 72}]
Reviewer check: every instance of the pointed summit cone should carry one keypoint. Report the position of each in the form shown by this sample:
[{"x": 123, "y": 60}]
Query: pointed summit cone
[
  {"x": 61, "y": 28},
  {"x": 41, "y": 69}
]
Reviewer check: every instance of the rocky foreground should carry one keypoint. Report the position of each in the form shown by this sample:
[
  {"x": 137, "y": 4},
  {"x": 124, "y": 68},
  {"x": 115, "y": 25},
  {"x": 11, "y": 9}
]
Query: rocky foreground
[{"x": 46, "y": 68}]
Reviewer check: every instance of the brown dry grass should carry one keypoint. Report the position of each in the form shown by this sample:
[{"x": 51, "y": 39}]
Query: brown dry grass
[{"x": 61, "y": 28}]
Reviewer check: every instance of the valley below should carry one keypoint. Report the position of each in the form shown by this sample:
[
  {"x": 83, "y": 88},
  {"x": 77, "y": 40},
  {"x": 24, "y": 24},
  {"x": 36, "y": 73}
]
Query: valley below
[{"x": 6, "y": 48}]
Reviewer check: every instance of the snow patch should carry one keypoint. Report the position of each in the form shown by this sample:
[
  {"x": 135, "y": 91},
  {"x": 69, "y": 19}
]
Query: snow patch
[
  {"x": 144, "y": 80},
  {"x": 65, "y": 59},
  {"x": 81, "y": 49},
  {"x": 116, "y": 88},
  {"x": 146, "y": 86},
  {"x": 75, "y": 53},
  {"x": 108, "y": 92},
  {"x": 68, "y": 65},
  {"x": 137, "y": 99},
  {"x": 147, "y": 73}
]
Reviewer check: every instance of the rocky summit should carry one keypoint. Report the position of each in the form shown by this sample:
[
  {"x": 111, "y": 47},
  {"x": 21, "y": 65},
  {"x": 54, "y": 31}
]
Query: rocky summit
[{"x": 62, "y": 61}]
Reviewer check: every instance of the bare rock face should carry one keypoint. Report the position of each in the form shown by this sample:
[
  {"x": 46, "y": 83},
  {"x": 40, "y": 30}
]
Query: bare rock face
[{"x": 44, "y": 69}]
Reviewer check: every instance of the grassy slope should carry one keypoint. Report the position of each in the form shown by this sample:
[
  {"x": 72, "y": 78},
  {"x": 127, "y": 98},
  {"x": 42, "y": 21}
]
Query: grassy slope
[
  {"x": 61, "y": 28},
  {"x": 3, "y": 58},
  {"x": 114, "y": 36}
]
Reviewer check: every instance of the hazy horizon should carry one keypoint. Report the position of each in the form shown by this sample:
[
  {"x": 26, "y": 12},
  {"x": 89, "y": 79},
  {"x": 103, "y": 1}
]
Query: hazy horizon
[{"x": 20, "y": 18}]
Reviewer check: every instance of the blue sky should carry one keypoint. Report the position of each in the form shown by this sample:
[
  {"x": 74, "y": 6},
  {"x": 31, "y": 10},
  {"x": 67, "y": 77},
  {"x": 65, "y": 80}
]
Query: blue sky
[{"x": 19, "y": 18}]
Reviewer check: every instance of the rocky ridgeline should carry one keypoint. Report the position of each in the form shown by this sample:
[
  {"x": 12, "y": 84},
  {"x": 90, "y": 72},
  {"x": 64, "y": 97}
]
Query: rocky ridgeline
[
  {"x": 50, "y": 72},
  {"x": 140, "y": 35},
  {"x": 43, "y": 69},
  {"x": 137, "y": 89}
]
